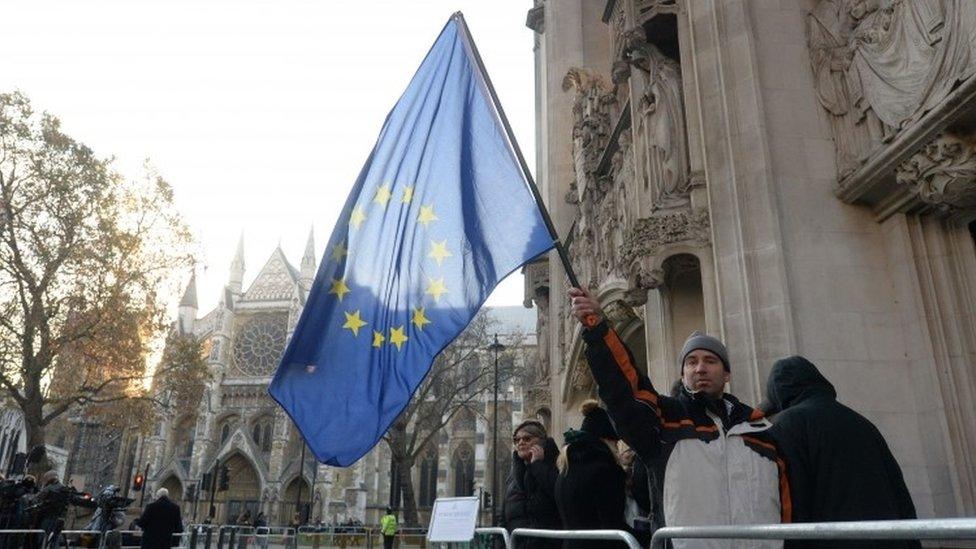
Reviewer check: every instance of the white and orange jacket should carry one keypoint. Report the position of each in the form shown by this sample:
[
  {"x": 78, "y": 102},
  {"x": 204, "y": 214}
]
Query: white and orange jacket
[{"x": 721, "y": 467}]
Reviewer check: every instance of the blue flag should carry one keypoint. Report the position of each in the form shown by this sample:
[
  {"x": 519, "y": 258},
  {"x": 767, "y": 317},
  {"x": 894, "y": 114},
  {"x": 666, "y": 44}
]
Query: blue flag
[{"x": 440, "y": 213}]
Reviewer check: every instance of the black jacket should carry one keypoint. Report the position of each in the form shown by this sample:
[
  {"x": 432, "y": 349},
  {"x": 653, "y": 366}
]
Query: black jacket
[
  {"x": 591, "y": 492},
  {"x": 530, "y": 496},
  {"x": 838, "y": 464},
  {"x": 159, "y": 521}
]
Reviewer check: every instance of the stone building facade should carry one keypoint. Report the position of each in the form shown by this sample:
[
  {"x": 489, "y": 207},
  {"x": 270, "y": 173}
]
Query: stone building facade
[
  {"x": 238, "y": 425},
  {"x": 796, "y": 177}
]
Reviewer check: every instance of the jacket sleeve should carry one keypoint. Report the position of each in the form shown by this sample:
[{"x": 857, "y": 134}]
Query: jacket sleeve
[
  {"x": 543, "y": 477},
  {"x": 633, "y": 402}
]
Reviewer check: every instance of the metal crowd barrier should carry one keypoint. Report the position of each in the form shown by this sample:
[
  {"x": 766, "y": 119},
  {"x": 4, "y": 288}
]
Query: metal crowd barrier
[
  {"x": 609, "y": 535},
  {"x": 79, "y": 535},
  {"x": 940, "y": 529}
]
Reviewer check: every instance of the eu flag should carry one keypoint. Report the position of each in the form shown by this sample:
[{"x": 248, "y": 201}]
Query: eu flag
[{"x": 440, "y": 213}]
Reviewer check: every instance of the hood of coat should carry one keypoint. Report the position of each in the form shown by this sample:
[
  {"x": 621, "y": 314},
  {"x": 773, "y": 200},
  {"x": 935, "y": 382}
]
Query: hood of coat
[
  {"x": 587, "y": 448},
  {"x": 794, "y": 380}
]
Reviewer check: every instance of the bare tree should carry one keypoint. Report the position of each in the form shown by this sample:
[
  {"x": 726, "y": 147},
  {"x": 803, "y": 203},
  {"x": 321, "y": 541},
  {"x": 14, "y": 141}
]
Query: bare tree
[
  {"x": 459, "y": 376},
  {"x": 87, "y": 260}
]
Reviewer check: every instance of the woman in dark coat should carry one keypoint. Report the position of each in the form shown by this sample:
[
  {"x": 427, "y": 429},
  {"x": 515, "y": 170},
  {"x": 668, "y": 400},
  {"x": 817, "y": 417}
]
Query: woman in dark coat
[
  {"x": 591, "y": 488},
  {"x": 529, "y": 500}
]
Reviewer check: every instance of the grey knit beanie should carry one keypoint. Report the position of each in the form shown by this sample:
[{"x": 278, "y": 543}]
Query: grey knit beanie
[{"x": 698, "y": 340}]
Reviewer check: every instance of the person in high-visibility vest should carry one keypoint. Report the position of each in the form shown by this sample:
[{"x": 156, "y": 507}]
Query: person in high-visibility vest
[{"x": 388, "y": 527}]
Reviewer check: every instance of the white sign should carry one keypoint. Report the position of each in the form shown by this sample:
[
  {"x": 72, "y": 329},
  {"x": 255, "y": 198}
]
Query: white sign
[{"x": 453, "y": 519}]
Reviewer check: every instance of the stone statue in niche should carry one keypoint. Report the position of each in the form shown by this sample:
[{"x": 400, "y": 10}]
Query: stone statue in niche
[
  {"x": 856, "y": 129},
  {"x": 660, "y": 121},
  {"x": 880, "y": 65}
]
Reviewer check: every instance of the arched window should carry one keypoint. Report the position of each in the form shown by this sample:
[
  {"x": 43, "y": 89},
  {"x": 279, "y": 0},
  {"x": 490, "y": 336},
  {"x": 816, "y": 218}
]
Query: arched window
[
  {"x": 464, "y": 421},
  {"x": 185, "y": 433},
  {"x": 428, "y": 477},
  {"x": 463, "y": 470},
  {"x": 261, "y": 433}
]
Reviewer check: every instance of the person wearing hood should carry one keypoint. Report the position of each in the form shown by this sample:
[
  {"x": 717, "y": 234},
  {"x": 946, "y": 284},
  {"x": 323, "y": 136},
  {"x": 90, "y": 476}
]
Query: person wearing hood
[
  {"x": 720, "y": 465},
  {"x": 591, "y": 488},
  {"x": 529, "y": 500},
  {"x": 839, "y": 466}
]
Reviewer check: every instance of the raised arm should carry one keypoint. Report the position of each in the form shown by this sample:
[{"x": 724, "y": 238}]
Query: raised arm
[{"x": 631, "y": 399}]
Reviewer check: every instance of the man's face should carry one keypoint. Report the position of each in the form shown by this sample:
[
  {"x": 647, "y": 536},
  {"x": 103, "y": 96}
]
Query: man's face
[{"x": 703, "y": 371}]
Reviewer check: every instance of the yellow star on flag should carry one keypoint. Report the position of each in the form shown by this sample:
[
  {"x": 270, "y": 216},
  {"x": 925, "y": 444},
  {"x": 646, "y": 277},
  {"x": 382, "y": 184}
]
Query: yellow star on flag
[
  {"x": 397, "y": 337},
  {"x": 378, "y": 339},
  {"x": 354, "y": 323},
  {"x": 438, "y": 251},
  {"x": 407, "y": 195},
  {"x": 357, "y": 217},
  {"x": 383, "y": 195},
  {"x": 419, "y": 318},
  {"x": 339, "y": 288},
  {"x": 436, "y": 288},
  {"x": 339, "y": 251},
  {"x": 426, "y": 215}
]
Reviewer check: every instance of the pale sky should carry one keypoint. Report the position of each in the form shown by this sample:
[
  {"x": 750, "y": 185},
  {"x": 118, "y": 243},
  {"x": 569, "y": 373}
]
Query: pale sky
[{"x": 260, "y": 113}]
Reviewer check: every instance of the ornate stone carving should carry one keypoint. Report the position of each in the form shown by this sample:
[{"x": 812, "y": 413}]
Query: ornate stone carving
[
  {"x": 582, "y": 379},
  {"x": 880, "y": 66},
  {"x": 619, "y": 313},
  {"x": 651, "y": 234},
  {"x": 943, "y": 173},
  {"x": 591, "y": 121},
  {"x": 535, "y": 19}
]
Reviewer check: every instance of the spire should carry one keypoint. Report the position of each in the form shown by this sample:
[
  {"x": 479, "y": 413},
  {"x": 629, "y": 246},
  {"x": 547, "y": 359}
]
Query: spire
[
  {"x": 237, "y": 268},
  {"x": 308, "y": 260},
  {"x": 190, "y": 294},
  {"x": 188, "y": 305}
]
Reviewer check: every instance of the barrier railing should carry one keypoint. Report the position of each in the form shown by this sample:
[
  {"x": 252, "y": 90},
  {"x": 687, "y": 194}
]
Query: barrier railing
[
  {"x": 940, "y": 529},
  {"x": 496, "y": 531},
  {"x": 609, "y": 535},
  {"x": 90, "y": 538}
]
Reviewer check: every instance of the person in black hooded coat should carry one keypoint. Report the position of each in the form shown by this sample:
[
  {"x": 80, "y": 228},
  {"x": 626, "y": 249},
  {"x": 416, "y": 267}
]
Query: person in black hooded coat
[
  {"x": 591, "y": 488},
  {"x": 530, "y": 489},
  {"x": 838, "y": 464}
]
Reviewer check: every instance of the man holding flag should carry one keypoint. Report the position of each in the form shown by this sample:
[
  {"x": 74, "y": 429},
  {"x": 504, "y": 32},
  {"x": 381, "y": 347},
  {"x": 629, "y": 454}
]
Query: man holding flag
[{"x": 441, "y": 212}]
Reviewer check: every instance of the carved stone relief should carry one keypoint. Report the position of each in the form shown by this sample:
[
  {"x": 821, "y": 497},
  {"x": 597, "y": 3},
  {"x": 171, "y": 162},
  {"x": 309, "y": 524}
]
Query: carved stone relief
[
  {"x": 943, "y": 173},
  {"x": 659, "y": 123},
  {"x": 592, "y": 122},
  {"x": 651, "y": 234},
  {"x": 880, "y": 66}
]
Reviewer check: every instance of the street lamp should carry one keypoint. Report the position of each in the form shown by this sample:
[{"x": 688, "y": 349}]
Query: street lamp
[{"x": 495, "y": 348}]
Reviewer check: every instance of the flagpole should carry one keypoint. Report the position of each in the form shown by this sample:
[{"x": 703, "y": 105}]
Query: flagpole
[{"x": 563, "y": 256}]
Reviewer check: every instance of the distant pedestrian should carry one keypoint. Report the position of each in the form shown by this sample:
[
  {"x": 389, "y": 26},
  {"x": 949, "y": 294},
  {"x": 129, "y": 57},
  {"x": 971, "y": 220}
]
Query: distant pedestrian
[
  {"x": 388, "y": 527},
  {"x": 159, "y": 521},
  {"x": 838, "y": 463}
]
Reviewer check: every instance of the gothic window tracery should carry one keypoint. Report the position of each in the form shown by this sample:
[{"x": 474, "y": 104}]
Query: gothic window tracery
[
  {"x": 428, "y": 477},
  {"x": 259, "y": 341},
  {"x": 463, "y": 470},
  {"x": 261, "y": 433}
]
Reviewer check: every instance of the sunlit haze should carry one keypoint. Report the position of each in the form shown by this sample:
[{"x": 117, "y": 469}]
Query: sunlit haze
[{"x": 259, "y": 113}]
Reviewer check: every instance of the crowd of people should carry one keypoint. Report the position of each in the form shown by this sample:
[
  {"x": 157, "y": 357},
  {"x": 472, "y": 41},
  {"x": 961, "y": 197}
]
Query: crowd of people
[{"x": 700, "y": 456}]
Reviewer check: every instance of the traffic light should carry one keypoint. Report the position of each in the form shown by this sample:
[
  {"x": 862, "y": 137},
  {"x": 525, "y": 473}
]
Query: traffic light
[
  {"x": 224, "y": 477},
  {"x": 486, "y": 499},
  {"x": 138, "y": 482}
]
